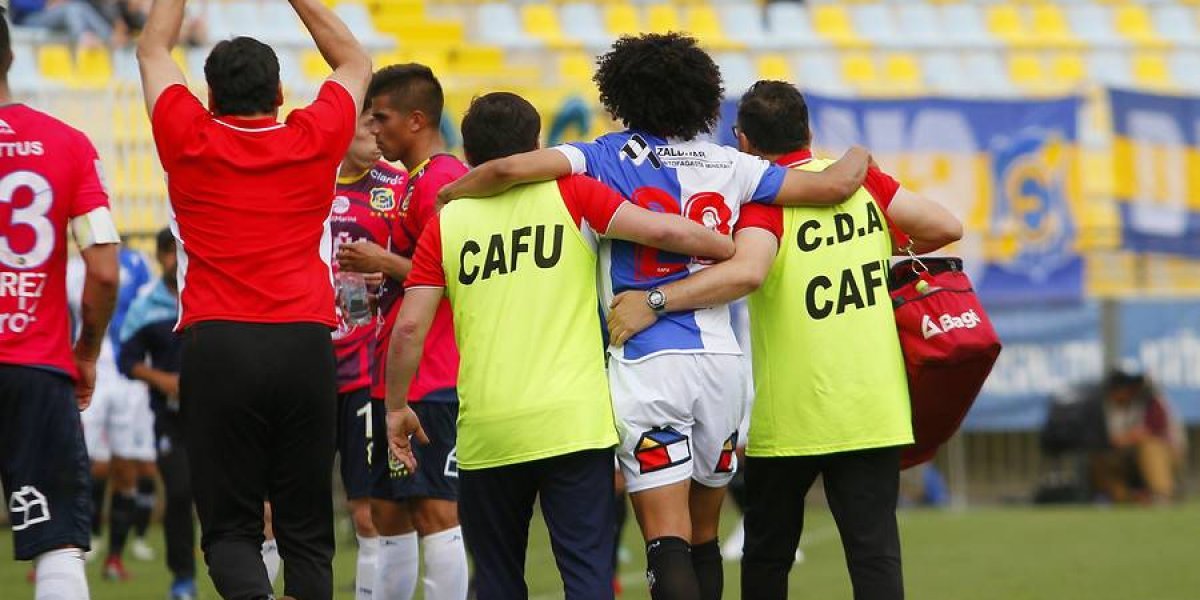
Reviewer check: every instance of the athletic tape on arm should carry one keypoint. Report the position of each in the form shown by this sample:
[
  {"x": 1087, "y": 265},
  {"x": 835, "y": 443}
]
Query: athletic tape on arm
[{"x": 95, "y": 227}]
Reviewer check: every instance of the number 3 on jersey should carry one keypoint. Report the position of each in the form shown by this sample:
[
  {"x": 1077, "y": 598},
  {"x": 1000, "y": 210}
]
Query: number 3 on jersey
[
  {"x": 706, "y": 208},
  {"x": 32, "y": 216}
]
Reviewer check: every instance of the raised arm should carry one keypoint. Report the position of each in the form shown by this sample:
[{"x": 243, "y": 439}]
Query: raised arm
[
  {"x": 831, "y": 186},
  {"x": 719, "y": 284},
  {"x": 158, "y": 69},
  {"x": 929, "y": 224},
  {"x": 673, "y": 233},
  {"x": 341, "y": 50},
  {"x": 497, "y": 176}
]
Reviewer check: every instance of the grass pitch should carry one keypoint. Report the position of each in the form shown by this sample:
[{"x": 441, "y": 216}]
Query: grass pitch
[{"x": 982, "y": 554}]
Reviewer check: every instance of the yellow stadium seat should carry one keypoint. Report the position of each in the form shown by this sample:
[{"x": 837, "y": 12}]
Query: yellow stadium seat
[
  {"x": 54, "y": 62},
  {"x": 661, "y": 18},
  {"x": 314, "y": 66},
  {"x": 702, "y": 21},
  {"x": 1068, "y": 69},
  {"x": 576, "y": 67},
  {"x": 93, "y": 67},
  {"x": 430, "y": 34},
  {"x": 859, "y": 70},
  {"x": 1133, "y": 22},
  {"x": 1150, "y": 70},
  {"x": 902, "y": 72},
  {"x": 776, "y": 68},
  {"x": 1006, "y": 22},
  {"x": 1027, "y": 71},
  {"x": 476, "y": 60},
  {"x": 1049, "y": 26},
  {"x": 832, "y": 21},
  {"x": 541, "y": 21},
  {"x": 622, "y": 19}
]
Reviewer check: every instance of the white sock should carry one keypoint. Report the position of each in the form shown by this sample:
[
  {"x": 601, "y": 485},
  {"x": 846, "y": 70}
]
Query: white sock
[
  {"x": 396, "y": 567},
  {"x": 270, "y": 555},
  {"x": 445, "y": 565},
  {"x": 60, "y": 576},
  {"x": 364, "y": 574}
]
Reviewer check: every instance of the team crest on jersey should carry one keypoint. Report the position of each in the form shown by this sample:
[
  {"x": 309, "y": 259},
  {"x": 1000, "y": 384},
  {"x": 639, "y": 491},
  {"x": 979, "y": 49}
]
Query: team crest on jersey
[
  {"x": 727, "y": 462},
  {"x": 383, "y": 199},
  {"x": 661, "y": 448},
  {"x": 341, "y": 205},
  {"x": 27, "y": 507},
  {"x": 6, "y": 129}
]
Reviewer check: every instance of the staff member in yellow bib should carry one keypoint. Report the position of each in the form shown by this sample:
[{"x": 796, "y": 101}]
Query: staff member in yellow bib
[
  {"x": 831, "y": 396},
  {"x": 535, "y": 417}
]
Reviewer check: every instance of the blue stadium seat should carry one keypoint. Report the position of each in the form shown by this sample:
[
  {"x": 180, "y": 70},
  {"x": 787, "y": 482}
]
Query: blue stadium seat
[
  {"x": 1093, "y": 23},
  {"x": 1110, "y": 67},
  {"x": 745, "y": 23},
  {"x": 944, "y": 73},
  {"x": 1177, "y": 23},
  {"x": 819, "y": 73},
  {"x": 499, "y": 24},
  {"x": 1185, "y": 67},
  {"x": 921, "y": 23},
  {"x": 987, "y": 74},
  {"x": 876, "y": 22},
  {"x": 738, "y": 72},
  {"x": 963, "y": 26},
  {"x": 584, "y": 22},
  {"x": 789, "y": 26}
]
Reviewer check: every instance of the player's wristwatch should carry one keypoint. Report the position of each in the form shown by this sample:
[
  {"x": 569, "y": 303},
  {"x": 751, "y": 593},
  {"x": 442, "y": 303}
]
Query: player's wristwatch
[{"x": 656, "y": 300}]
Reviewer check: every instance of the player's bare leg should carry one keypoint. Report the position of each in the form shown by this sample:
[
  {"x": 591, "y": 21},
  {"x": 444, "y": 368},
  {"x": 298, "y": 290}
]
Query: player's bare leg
[{"x": 662, "y": 513}]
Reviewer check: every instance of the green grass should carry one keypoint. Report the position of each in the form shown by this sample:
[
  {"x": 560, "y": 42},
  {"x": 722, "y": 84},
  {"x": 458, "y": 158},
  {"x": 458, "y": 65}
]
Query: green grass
[{"x": 982, "y": 554}]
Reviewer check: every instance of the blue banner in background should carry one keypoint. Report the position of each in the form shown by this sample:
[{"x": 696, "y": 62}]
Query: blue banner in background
[
  {"x": 1045, "y": 351},
  {"x": 1007, "y": 168},
  {"x": 1156, "y": 168},
  {"x": 1163, "y": 339}
]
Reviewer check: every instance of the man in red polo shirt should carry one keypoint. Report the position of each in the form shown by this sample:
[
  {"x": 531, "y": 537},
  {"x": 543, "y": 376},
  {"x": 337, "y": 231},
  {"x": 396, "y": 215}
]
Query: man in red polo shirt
[
  {"x": 405, "y": 102},
  {"x": 250, "y": 209}
]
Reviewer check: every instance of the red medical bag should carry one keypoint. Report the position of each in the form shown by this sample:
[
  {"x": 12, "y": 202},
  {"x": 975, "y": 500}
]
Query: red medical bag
[{"x": 949, "y": 348}]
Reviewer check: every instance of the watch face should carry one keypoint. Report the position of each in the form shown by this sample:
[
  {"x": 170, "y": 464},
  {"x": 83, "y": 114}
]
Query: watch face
[{"x": 656, "y": 299}]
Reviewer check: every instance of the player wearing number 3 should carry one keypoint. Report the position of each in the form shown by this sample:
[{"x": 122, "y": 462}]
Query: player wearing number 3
[
  {"x": 679, "y": 387},
  {"x": 49, "y": 177}
]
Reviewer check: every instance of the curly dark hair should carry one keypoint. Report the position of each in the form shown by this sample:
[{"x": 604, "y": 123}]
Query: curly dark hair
[{"x": 661, "y": 83}]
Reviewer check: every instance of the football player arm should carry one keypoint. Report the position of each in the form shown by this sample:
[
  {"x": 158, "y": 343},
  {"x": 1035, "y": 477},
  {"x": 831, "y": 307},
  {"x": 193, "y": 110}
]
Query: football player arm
[
  {"x": 673, "y": 233},
  {"x": 158, "y": 69},
  {"x": 929, "y": 224},
  {"x": 719, "y": 284},
  {"x": 825, "y": 188},
  {"x": 341, "y": 50},
  {"x": 404, "y": 356},
  {"x": 497, "y": 176}
]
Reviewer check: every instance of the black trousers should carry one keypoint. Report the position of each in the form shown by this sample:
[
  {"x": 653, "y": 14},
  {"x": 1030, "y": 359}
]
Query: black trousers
[
  {"x": 179, "y": 528},
  {"x": 259, "y": 403},
  {"x": 576, "y": 494},
  {"x": 861, "y": 487}
]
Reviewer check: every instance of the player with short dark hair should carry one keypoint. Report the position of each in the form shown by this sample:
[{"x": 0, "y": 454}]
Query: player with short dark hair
[
  {"x": 50, "y": 178},
  {"x": 365, "y": 208},
  {"x": 416, "y": 514},
  {"x": 250, "y": 208},
  {"x": 536, "y": 424},
  {"x": 152, "y": 353},
  {"x": 679, "y": 388},
  {"x": 841, "y": 413},
  {"x": 483, "y": 141}
]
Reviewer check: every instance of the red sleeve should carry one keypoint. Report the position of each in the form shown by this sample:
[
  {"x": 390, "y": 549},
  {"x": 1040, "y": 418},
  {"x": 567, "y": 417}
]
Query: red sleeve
[
  {"x": 591, "y": 201},
  {"x": 90, "y": 193},
  {"x": 175, "y": 115},
  {"x": 762, "y": 216},
  {"x": 427, "y": 268},
  {"x": 332, "y": 117},
  {"x": 881, "y": 186}
]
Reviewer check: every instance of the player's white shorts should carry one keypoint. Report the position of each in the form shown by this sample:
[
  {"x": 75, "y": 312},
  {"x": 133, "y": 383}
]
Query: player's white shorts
[
  {"x": 678, "y": 417},
  {"x": 119, "y": 421}
]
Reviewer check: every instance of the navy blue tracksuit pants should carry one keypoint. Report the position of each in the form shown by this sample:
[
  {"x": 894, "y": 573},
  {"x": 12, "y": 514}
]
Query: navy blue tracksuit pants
[{"x": 576, "y": 494}]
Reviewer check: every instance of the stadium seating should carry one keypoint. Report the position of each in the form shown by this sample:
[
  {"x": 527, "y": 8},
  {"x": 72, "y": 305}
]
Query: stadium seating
[{"x": 546, "y": 50}]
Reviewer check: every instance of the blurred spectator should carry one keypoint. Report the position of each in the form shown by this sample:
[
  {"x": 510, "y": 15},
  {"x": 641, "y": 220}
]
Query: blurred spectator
[
  {"x": 1145, "y": 441},
  {"x": 78, "y": 19}
]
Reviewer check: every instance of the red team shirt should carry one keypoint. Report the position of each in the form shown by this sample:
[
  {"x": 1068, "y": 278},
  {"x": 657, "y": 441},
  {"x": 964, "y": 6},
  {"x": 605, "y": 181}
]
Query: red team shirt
[
  {"x": 250, "y": 207},
  {"x": 49, "y": 174},
  {"x": 586, "y": 199},
  {"x": 880, "y": 185},
  {"x": 437, "y": 376},
  {"x": 364, "y": 209}
]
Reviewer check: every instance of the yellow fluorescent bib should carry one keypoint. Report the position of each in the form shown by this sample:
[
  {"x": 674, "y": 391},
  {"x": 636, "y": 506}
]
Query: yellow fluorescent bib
[
  {"x": 828, "y": 370},
  {"x": 521, "y": 280}
]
